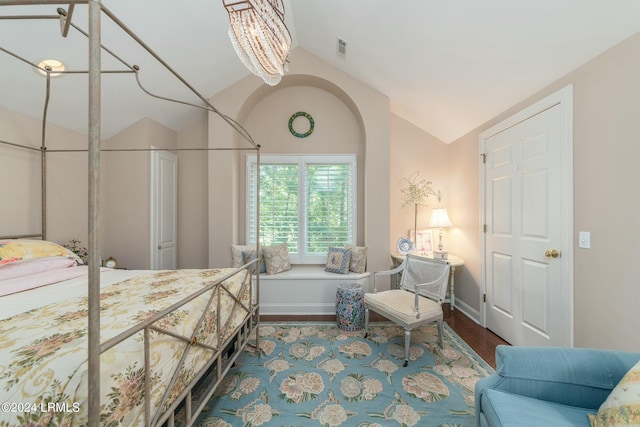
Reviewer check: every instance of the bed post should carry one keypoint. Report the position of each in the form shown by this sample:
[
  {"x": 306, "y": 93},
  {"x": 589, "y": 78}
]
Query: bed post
[
  {"x": 257, "y": 146},
  {"x": 94, "y": 188},
  {"x": 43, "y": 164},
  {"x": 43, "y": 190}
]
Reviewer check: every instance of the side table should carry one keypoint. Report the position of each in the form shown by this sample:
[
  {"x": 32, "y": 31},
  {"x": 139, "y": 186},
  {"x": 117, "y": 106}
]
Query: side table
[{"x": 453, "y": 261}]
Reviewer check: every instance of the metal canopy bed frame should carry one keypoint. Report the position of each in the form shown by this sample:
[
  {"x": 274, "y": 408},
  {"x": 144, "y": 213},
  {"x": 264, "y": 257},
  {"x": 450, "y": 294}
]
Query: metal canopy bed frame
[{"x": 222, "y": 357}]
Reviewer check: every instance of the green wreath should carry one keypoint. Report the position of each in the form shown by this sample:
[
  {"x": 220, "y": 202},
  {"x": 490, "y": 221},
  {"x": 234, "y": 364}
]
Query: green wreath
[{"x": 295, "y": 116}]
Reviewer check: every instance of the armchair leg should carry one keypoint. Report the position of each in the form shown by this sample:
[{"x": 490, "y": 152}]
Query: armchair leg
[
  {"x": 407, "y": 344},
  {"x": 366, "y": 321},
  {"x": 440, "y": 334}
]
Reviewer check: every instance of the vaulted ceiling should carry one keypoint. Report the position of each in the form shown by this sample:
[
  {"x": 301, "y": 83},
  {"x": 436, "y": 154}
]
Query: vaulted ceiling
[{"x": 446, "y": 66}]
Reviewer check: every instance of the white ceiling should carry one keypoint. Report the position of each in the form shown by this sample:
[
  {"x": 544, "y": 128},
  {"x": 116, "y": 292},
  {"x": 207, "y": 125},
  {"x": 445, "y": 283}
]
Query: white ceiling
[{"x": 447, "y": 66}]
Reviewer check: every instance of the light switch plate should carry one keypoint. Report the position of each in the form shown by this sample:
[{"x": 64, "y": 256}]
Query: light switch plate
[{"x": 584, "y": 240}]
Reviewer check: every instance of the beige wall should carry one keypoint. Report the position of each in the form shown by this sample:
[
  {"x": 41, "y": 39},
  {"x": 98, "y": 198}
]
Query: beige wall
[
  {"x": 413, "y": 150},
  {"x": 606, "y": 128},
  {"x": 193, "y": 222},
  {"x": 464, "y": 209},
  {"x": 370, "y": 108},
  {"x": 125, "y": 210},
  {"x": 20, "y": 171},
  {"x": 125, "y": 196}
]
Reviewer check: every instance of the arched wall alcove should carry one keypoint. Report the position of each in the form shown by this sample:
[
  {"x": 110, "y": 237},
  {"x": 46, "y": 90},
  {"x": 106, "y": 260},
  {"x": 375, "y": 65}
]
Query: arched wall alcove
[
  {"x": 337, "y": 130},
  {"x": 364, "y": 118},
  {"x": 292, "y": 80}
]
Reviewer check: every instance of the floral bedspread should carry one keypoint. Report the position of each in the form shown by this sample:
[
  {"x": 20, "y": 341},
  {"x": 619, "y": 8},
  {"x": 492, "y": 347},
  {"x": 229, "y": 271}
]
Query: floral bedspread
[{"x": 43, "y": 352}]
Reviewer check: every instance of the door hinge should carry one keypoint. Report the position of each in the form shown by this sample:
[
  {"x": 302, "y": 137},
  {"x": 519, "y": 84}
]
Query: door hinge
[
  {"x": 484, "y": 157},
  {"x": 484, "y": 228},
  {"x": 484, "y": 297}
]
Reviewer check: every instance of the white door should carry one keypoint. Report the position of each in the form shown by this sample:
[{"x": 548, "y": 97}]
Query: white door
[
  {"x": 528, "y": 215},
  {"x": 164, "y": 190}
]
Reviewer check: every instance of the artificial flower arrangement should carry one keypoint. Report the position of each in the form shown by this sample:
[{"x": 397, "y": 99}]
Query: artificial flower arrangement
[
  {"x": 416, "y": 193},
  {"x": 74, "y": 246}
]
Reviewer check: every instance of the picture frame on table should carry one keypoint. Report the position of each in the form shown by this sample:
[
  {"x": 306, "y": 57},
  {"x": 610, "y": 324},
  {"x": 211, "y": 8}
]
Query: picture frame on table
[{"x": 422, "y": 241}]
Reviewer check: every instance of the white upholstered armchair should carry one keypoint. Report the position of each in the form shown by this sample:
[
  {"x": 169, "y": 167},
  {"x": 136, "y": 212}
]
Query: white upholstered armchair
[{"x": 417, "y": 302}]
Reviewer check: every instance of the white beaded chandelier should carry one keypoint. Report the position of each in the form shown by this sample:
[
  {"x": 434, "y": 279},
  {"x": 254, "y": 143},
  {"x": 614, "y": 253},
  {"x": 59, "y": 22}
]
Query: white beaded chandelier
[{"x": 260, "y": 37}]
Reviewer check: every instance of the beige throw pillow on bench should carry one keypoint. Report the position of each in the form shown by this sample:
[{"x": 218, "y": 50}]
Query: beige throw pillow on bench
[{"x": 276, "y": 258}]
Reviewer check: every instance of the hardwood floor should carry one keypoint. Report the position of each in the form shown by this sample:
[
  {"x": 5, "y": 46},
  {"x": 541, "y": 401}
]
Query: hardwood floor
[{"x": 481, "y": 340}]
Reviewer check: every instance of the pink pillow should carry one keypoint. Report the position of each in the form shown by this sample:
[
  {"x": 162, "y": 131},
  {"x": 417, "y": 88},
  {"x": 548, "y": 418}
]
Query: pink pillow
[{"x": 32, "y": 266}]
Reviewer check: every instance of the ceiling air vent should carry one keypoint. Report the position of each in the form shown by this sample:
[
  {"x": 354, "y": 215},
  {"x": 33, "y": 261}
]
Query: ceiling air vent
[{"x": 341, "y": 47}]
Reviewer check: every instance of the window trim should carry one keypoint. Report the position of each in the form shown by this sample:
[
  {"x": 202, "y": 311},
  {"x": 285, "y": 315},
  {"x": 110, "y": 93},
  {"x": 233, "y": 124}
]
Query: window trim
[{"x": 301, "y": 161}]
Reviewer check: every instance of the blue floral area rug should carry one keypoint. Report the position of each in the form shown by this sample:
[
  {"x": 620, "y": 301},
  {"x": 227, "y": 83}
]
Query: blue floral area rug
[{"x": 314, "y": 374}]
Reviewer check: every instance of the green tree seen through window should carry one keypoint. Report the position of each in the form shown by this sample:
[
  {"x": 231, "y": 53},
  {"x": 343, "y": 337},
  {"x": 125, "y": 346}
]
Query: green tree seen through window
[{"x": 306, "y": 201}]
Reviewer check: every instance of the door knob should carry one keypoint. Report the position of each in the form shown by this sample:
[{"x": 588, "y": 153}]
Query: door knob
[{"x": 551, "y": 253}]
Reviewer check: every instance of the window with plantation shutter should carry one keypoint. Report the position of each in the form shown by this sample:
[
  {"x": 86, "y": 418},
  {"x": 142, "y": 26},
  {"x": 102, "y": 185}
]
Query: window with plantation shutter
[
  {"x": 279, "y": 207},
  {"x": 309, "y": 202}
]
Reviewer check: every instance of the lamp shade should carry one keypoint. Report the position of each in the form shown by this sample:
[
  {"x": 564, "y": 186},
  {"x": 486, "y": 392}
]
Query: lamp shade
[{"x": 439, "y": 218}]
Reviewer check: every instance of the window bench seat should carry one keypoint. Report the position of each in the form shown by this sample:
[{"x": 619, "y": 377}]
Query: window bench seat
[{"x": 305, "y": 289}]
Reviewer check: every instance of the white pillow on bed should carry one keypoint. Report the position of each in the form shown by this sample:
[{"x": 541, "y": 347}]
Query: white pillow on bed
[{"x": 32, "y": 266}]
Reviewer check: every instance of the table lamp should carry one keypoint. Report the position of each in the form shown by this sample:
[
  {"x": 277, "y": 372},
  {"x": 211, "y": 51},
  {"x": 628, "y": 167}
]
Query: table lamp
[{"x": 440, "y": 220}]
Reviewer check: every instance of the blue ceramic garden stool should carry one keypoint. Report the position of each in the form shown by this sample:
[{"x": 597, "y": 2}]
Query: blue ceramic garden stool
[{"x": 350, "y": 306}]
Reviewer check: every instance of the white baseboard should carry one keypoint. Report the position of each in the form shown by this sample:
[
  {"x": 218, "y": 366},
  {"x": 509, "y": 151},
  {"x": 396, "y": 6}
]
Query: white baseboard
[
  {"x": 468, "y": 311},
  {"x": 297, "y": 309}
]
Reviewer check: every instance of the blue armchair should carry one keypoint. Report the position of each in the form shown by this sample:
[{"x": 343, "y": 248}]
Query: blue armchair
[{"x": 550, "y": 386}]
